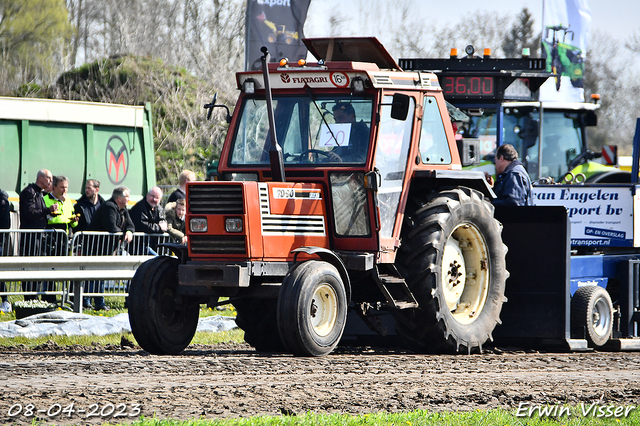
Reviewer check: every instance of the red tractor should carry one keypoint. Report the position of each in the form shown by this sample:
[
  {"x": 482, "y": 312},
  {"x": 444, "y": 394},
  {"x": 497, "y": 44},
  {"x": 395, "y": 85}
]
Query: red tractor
[{"x": 339, "y": 191}]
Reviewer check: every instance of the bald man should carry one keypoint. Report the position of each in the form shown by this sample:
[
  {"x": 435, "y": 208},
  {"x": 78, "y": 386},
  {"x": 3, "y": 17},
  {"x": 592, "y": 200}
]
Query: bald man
[{"x": 148, "y": 215}]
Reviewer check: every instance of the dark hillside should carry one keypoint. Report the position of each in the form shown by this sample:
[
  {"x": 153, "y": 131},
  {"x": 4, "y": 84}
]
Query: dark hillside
[{"x": 183, "y": 138}]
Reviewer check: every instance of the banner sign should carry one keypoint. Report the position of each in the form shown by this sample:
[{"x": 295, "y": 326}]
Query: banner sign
[
  {"x": 600, "y": 216},
  {"x": 278, "y": 25},
  {"x": 565, "y": 33}
]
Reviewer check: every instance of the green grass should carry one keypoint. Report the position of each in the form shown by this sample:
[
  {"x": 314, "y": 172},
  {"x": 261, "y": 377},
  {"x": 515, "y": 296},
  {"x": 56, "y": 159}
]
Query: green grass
[
  {"x": 117, "y": 307},
  {"x": 498, "y": 417}
]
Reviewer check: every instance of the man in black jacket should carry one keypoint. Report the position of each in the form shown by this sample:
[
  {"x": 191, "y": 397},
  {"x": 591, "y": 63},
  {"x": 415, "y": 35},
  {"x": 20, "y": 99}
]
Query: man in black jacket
[
  {"x": 33, "y": 215},
  {"x": 112, "y": 216},
  {"x": 33, "y": 212},
  {"x": 148, "y": 217},
  {"x": 5, "y": 223},
  {"x": 87, "y": 205}
]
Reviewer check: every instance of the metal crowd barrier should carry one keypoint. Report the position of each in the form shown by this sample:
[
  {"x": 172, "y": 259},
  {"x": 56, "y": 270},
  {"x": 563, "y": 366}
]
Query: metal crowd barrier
[{"x": 89, "y": 264}]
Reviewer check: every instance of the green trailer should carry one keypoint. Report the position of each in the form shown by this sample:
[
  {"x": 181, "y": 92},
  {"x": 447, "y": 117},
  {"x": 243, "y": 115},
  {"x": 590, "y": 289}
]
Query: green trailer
[{"x": 80, "y": 140}]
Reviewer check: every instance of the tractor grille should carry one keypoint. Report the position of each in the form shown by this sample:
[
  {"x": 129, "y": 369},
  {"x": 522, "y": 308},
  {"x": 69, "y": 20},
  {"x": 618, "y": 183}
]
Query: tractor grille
[
  {"x": 217, "y": 244},
  {"x": 216, "y": 199}
]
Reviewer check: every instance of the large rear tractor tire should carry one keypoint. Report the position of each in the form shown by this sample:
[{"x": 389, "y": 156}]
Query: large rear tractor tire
[
  {"x": 453, "y": 259},
  {"x": 312, "y": 309},
  {"x": 257, "y": 318},
  {"x": 592, "y": 309},
  {"x": 162, "y": 322}
]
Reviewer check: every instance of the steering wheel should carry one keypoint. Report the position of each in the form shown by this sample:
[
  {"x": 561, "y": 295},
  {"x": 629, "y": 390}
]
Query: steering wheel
[{"x": 331, "y": 156}]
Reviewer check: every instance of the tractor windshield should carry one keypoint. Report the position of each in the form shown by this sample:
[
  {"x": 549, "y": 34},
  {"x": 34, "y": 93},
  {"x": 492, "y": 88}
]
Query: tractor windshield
[
  {"x": 561, "y": 139},
  {"x": 310, "y": 129}
]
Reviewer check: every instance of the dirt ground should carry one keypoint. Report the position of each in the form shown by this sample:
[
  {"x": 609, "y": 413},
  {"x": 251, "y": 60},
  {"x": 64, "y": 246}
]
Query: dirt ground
[{"x": 119, "y": 382}]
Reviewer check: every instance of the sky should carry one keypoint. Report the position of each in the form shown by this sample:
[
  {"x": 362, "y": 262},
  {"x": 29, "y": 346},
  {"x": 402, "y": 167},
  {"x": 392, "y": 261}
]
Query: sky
[{"x": 618, "y": 18}]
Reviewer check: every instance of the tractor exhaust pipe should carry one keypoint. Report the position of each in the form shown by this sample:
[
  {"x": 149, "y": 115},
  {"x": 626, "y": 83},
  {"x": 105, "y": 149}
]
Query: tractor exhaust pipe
[{"x": 276, "y": 159}]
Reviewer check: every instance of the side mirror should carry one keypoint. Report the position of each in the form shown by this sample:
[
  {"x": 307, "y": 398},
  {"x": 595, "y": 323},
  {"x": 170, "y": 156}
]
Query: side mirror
[
  {"x": 591, "y": 119},
  {"x": 213, "y": 105},
  {"x": 400, "y": 107},
  {"x": 469, "y": 150}
]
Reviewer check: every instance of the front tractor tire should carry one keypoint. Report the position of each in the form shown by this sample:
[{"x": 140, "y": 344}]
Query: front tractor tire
[
  {"x": 312, "y": 309},
  {"x": 453, "y": 259},
  {"x": 162, "y": 322}
]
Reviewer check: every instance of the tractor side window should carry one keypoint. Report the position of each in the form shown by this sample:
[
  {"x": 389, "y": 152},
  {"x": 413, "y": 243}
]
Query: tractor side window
[
  {"x": 291, "y": 143},
  {"x": 251, "y": 134},
  {"x": 434, "y": 147},
  {"x": 394, "y": 141},
  {"x": 350, "y": 208}
]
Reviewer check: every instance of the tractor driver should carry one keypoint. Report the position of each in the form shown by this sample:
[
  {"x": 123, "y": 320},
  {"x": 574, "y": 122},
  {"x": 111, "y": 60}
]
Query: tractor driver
[{"x": 356, "y": 150}]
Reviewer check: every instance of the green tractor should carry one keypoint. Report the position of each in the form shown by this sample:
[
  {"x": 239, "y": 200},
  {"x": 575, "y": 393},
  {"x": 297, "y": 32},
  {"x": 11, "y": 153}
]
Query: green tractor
[{"x": 563, "y": 58}]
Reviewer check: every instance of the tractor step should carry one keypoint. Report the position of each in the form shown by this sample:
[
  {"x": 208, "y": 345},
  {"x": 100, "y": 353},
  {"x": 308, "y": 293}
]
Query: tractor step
[{"x": 395, "y": 290}]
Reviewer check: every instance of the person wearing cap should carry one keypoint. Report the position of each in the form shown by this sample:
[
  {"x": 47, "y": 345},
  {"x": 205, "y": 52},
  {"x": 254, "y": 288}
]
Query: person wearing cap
[{"x": 356, "y": 150}]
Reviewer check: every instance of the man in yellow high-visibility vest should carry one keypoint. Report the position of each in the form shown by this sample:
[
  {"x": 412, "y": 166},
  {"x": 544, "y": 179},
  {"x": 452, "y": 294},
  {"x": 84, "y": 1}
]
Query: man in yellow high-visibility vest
[
  {"x": 60, "y": 217},
  {"x": 63, "y": 217}
]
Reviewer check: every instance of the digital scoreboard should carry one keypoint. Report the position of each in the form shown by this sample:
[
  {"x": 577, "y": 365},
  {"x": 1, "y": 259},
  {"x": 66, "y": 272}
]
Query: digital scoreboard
[
  {"x": 484, "y": 79},
  {"x": 468, "y": 86}
]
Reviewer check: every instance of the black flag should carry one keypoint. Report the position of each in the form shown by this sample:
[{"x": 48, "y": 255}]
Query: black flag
[{"x": 277, "y": 24}]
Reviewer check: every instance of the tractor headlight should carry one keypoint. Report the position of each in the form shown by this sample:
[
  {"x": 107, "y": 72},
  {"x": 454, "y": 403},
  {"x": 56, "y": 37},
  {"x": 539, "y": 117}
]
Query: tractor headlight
[
  {"x": 233, "y": 224},
  {"x": 198, "y": 224},
  {"x": 249, "y": 86}
]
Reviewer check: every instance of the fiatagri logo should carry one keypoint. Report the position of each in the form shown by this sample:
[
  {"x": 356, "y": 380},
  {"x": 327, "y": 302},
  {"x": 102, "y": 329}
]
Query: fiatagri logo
[
  {"x": 286, "y": 78},
  {"x": 272, "y": 3}
]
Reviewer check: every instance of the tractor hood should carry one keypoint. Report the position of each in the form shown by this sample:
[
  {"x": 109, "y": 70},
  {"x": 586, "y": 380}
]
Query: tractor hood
[{"x": 351, "y": 49}]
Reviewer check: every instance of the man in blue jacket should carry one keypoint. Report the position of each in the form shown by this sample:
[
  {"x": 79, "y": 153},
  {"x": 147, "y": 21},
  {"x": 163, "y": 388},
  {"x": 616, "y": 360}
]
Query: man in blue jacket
[{"x": 512, "y": 186}]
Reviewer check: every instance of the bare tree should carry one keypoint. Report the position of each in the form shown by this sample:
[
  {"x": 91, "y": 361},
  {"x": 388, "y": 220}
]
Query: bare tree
[
  {"x": 633, "y": 44},
  {"x": 613, "y": 76},
  {"x": 522, "y": 35}
]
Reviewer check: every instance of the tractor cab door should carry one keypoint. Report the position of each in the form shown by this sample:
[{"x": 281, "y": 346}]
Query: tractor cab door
[{"x": 392, "y": 151}]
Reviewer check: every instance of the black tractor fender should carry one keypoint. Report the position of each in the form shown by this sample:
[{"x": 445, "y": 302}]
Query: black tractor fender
[
  {"x": 180, "y": 250},
  {"x": 434, "y": 179},
  {"x": 329, "y": 257}
]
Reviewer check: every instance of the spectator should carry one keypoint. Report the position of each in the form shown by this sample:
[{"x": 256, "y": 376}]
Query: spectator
[
  {"x": 513, "y": 186},
  {"x": 5, "y": 210},
  {"x": 33, "y": 215},
  {"x": 175, "y": 213},
  {"x": 33, "y": 212},
  {"x": 85, "y": 208},
  {"x": 63, "y": 219},
  {"x": 87, "y": 205},
  {"x": 148, "y": 217},
  {"x": 112, "y": 216},
  {"x": 185, "y": 177},
  {"x": 5, "y": 223}
]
